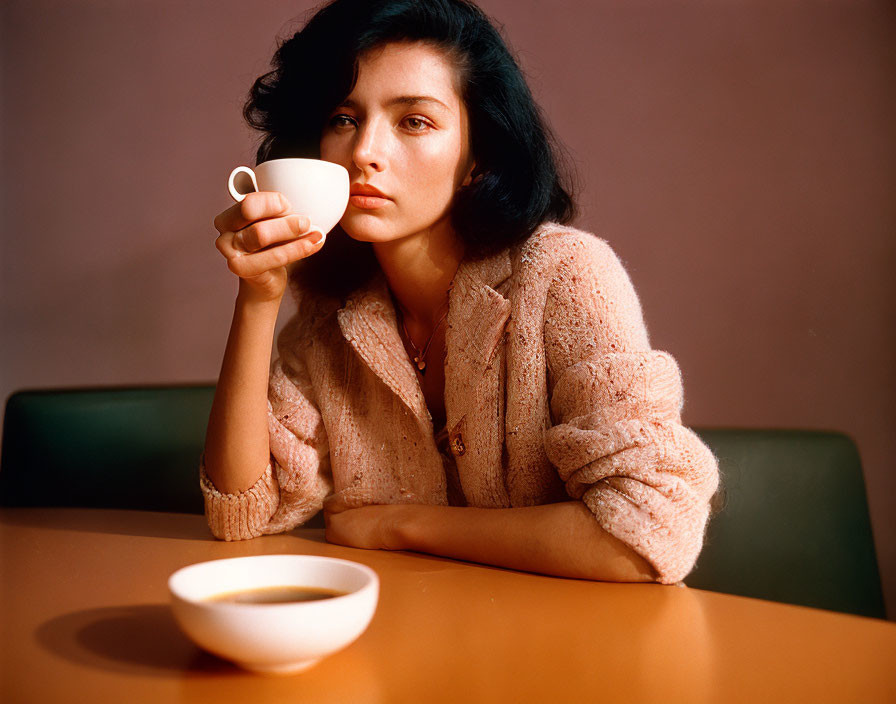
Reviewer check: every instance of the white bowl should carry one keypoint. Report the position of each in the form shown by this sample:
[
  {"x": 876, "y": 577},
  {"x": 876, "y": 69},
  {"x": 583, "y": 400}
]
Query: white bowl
[{"x": 274, "y": 638}]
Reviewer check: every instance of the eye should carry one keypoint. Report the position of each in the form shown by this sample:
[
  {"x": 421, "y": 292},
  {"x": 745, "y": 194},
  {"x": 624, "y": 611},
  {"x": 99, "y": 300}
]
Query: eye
[
  {"x": 339, "y": 121},
  {"x": 417, "y": 124}
]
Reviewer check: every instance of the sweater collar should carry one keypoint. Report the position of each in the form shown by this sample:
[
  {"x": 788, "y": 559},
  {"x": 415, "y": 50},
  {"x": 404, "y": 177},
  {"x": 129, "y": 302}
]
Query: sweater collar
[
  {"x": 477, "y": 314},
  {"x": 369, "y": 323}
]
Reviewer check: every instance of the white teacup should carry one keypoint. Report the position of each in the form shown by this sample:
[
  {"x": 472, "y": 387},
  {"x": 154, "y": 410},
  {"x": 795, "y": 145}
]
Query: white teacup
[{"x": 315, "y": 188}]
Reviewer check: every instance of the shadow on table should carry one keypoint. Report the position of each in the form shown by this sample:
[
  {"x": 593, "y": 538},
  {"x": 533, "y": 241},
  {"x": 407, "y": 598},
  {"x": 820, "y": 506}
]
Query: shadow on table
[
  {"x": 138, "y": 640},
  {"x": 143, "y": 641}
]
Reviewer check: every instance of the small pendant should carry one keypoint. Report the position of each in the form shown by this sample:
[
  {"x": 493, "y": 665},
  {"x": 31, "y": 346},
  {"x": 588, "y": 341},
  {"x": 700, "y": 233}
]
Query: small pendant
[{"x": 421, "y": 364}]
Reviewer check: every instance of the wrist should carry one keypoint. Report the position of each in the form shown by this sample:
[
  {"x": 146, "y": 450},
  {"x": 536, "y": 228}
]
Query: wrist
[
  {"x": 400, "y": 527},
  {"x": 248, "y": 298}
]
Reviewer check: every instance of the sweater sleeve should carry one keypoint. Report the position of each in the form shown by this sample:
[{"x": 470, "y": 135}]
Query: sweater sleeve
[
  {"x": 617, "y": 440},
  {"x": 293, "y": 486}
]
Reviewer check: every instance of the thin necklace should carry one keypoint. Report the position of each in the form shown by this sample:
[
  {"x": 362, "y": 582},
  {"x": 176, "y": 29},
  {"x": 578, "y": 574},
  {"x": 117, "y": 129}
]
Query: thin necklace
[{"x": 420, "y": 357}]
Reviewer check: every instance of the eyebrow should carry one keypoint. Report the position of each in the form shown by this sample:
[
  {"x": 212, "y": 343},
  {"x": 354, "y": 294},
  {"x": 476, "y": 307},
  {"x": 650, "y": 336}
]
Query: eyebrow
[{"x": 402, "y": 100}]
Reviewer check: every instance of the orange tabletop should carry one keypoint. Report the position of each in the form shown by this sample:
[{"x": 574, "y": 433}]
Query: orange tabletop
[{"x": 85, "y": 617}]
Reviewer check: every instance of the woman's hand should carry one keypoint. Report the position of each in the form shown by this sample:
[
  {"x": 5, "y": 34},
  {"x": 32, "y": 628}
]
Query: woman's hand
[
  {"x": 260, "y": 238},
  {"x": 369, "y": 527}
]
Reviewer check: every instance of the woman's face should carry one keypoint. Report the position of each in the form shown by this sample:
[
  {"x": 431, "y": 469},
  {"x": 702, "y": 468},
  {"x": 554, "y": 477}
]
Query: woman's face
[{"x": 403, "y": 132}]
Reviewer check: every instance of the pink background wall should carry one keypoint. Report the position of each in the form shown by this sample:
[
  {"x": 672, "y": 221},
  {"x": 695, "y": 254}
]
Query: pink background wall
[{"x": 739, "y": 156}]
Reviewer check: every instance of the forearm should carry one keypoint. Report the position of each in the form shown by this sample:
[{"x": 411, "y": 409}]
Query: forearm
[
  {"x": 557, "y": 539},
  {"x": 237, "y": 446}
]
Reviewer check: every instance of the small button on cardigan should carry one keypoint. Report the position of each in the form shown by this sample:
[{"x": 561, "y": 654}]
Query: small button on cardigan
[{"x": 552, "y": 393}]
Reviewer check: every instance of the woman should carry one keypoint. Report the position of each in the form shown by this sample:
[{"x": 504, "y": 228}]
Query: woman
[{"x": 465, "y": 376}]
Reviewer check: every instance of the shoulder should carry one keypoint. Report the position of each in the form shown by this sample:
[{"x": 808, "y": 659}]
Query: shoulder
[
  {"x": 581, "y": 285},
  {"x": 557, "y": 251}
]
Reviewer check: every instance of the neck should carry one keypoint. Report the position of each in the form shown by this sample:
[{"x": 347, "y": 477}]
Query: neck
[{"x": 420, "y": 269}]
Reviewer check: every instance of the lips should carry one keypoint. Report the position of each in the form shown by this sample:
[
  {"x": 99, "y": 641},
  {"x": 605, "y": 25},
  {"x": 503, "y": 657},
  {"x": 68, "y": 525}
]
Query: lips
[
  {"x": 362, "y": 189},
  {"x": 367, "y": 197}
]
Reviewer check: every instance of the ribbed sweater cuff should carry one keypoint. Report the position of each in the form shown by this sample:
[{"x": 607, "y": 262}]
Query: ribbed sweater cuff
[
  {"x": 660, "y": 533},
  {"x": 243, "y": 515}
]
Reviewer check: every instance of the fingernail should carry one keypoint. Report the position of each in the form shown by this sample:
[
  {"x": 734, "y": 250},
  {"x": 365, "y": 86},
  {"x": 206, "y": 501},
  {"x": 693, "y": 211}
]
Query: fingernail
[{"x": 317, "y": 238}]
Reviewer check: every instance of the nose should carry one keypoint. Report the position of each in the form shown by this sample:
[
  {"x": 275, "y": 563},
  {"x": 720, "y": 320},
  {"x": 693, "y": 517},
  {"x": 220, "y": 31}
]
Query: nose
[{"x": 369, "y": 151}]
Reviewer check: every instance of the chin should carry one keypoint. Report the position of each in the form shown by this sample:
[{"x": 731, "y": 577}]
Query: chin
[
  {"x": 364, "y": 235},
  {"x": 363, "y": 230}
]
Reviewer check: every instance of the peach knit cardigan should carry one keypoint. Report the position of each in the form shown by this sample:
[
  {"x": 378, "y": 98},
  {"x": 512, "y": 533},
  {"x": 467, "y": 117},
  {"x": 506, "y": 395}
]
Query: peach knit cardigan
[{"x": 551, "y": 391}]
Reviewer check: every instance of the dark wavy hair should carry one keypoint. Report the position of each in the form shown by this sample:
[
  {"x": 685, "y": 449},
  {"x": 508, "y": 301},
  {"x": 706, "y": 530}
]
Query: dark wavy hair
[{"x": 518, "y": 183}]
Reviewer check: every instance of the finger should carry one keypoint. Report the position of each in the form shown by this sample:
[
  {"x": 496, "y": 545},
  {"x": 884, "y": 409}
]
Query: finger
[
  {"x": 335, "y": 503},
  {"x": 224, "y": 243},
  {"x": 342, "y": 529},
  {"x": 255, "y": 206},
  {"x": 249, "y": 265},
  {"x": 265, "y": 233},
  {"x": 332, "y": 532},
  {"x": 277, "y": 231}
]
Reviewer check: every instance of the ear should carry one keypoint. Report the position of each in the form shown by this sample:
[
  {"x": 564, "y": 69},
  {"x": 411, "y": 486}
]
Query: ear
[{"x": 472, "y": 175}]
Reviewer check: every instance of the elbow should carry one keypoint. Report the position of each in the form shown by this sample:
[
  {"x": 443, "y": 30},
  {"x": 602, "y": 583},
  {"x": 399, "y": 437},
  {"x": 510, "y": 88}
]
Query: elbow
[
  {"x": 639, "y": 570},
  {"x": 632, "y": 567},
  {"x": 617, "y": 561},
  {"x": 242, "y": 515}
]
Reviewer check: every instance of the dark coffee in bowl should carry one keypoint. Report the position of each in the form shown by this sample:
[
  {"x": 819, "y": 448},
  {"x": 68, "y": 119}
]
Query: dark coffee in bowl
[{"x": 286, "y": 594}]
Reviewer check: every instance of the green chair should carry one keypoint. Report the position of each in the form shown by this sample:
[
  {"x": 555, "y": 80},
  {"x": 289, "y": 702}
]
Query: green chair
[
  {"x": 794, "y": 526},
  {"x": 128, "y": 448}
]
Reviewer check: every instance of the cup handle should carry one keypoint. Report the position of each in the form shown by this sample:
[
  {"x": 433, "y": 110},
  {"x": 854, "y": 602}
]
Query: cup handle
[{"x": 231, "y": 182}]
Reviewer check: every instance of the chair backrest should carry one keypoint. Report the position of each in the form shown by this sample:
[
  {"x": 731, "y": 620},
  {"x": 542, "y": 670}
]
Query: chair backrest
[
  {"x": 130, "y": 448},
  {"x": 795, "y": 526}
]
